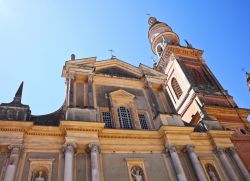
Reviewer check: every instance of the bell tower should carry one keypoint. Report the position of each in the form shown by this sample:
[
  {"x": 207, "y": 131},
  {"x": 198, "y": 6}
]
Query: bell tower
[
  {"x": 190, "y": 83},
  {"x": 160, "y": 35}
]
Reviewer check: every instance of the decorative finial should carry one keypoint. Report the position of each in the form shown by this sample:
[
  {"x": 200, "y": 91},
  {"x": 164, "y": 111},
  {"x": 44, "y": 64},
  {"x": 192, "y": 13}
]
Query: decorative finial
[
  {"x": 154, "y": 62},
  {"x": 18, "y": 95},
  {"x": 188, "y": 44},
  {"x": 72, "y": 56},
  {"x": 111, "y": 53},
  {"x": 247, "y": 76},
  {"x": 248, "y": 80},
  {"x": 152, "y": 21}
]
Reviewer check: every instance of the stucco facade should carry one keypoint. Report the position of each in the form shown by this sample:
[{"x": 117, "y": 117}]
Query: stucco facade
[{"x": 122, "y": 122}]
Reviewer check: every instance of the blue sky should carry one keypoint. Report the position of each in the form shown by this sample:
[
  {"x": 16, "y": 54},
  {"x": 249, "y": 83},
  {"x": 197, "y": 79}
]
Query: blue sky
[{"x": 37, "y": 37}]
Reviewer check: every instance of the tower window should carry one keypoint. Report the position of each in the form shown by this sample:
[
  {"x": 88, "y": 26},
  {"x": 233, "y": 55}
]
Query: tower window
[
  {"x": 143, "y": 121},
  {"x": 159, "y": 50},
  {"x": 107, "y": 119},
  {"x": 176, "y": 87},
  {"x": 125, "y": 118}
]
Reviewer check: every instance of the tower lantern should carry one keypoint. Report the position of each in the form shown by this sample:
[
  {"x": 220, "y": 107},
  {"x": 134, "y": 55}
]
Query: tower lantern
[{"x": 159, "y": 35}]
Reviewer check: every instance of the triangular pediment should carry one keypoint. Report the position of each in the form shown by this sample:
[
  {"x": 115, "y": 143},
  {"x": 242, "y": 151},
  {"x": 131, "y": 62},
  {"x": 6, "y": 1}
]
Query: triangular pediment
[
  {"x": 116, "y": 67},
  {"x": 148, "y": 71},
  {"x": 121, "y": 94}
]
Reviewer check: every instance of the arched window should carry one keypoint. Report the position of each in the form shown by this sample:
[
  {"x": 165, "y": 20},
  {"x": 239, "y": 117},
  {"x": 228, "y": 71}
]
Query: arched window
[
  {"x": 176, "y": 87},
  {"x": 125, "y": 118},
  {"x": 212, "y": 173},
  {"x": 159, "y": 50}
]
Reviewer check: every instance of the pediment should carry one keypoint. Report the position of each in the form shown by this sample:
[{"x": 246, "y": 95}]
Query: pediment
[
  {"x": 121, "y": 94},
  {"x": 116, "y": 67},
  {"x": 150, "y": 72}
]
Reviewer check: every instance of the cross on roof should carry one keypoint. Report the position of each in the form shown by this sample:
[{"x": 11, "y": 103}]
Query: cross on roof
[{"x": 111, "y": 52}]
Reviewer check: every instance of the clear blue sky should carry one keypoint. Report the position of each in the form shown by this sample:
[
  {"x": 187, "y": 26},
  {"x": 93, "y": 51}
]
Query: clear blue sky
[{"x": 37, "y": 37}]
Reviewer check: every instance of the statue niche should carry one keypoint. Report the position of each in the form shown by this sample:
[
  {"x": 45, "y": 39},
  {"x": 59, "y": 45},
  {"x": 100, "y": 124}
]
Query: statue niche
[
  {"x": 137, "y": 173},
  {"x": 212, "y": 173},
  {"x": 40, "y": 174}
]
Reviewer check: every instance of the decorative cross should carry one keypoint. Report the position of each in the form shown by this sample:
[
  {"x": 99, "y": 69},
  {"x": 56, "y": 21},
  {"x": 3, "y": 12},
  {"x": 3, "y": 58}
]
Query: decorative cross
[{"x": 111, "y": 52}]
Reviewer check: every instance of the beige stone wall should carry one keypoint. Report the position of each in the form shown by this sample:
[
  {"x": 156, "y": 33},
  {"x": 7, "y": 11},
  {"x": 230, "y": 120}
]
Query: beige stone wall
[{"x": 115, "y": 166}]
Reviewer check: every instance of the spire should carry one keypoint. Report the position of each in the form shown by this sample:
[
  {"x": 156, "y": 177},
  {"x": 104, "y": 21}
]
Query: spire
[{"x": 18, "y": 95}]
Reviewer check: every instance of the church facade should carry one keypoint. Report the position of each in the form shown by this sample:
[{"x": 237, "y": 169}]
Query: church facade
[{"x": 121, "y": 122}]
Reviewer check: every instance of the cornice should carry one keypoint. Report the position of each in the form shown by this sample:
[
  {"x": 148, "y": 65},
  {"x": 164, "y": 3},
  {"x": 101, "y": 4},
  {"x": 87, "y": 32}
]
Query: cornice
[
  {"x": 78, "y": 126},
  {"x": 45, "y": 131},
  {"x": 129, "y": 134},
  {"x": 14, "y": 126}
]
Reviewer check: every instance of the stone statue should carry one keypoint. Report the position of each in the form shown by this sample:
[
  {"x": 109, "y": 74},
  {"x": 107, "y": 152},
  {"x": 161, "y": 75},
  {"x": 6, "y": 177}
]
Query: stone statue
[
  {"x": 212, "y": 174},
  {"x": 136, "y": 174},
  {"x": 40, "y": 177}
]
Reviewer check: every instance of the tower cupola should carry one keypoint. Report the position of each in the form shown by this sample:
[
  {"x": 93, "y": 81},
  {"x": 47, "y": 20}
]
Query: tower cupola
[{"x": 159, "y": 35}]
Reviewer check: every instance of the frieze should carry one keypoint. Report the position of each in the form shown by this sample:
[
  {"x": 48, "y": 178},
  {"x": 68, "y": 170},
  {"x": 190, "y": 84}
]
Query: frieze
[{"x": 185, "y": 52}]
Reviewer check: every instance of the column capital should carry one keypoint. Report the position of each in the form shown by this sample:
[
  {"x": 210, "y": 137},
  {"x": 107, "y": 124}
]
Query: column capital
[
  {"x": 232, "y": 150},
  {"x": 220, "y": 151},
  {"x": 69, "y": 147},
  {"x": 15, "y": 149},
  {"x": 94, "y": 147},
  {"x": 189, "y": 148},
  {"x": 171, "y": 149}
]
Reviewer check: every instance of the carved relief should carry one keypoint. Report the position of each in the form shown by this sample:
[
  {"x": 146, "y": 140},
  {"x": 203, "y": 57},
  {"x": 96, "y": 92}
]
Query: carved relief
[
  {"x": 137, "y": 173},
  {"x": 212, "y": 173},
  {"x": 136, "y": 169},
  {"x": 40, "y": 174}
]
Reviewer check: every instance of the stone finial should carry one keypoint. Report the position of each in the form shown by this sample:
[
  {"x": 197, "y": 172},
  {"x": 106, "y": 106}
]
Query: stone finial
[
  {"x": 72, "y": 56},
  {"x": 69, "y": 147},
  {"x": 18, "y": 95}
]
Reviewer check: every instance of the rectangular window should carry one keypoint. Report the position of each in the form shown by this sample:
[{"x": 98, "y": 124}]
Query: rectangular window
[
  {"x": 143, "y": 121},
  {"x": 107, "y": 119}
]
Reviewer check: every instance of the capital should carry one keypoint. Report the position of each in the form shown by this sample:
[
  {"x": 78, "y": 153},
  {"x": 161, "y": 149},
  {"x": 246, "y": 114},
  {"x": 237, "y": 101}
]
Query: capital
[
  {"x": 69, "y": 147},
  {"x": 220, "y": 151},
  {"x": 232, "y": 150},
  {"x": 94, "y": 147},
  {"x": 190, "y": 148},
  {"x": 171, "y": 149},
  {"x": 15, "y": 149}
]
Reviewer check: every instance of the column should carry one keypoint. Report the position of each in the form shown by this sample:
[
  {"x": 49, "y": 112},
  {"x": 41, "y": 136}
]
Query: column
[
  {"x": 69, "y": 150},
  {"x": 177, "y": 163},
  {"x": 94, "y": 156},
  {"x": 225, "y": 162},
  {"x": 15, "y": 151},
  {"x": 238, "y": 161},
  {"x": 90, "y": 91},
  {"x": 196, "y": 163}
]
